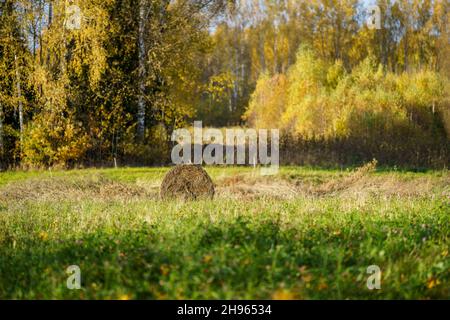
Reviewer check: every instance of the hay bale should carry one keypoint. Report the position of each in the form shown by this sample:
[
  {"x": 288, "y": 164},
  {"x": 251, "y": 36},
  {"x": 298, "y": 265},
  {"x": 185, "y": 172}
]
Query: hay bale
[{"x": 187, "y": 182}]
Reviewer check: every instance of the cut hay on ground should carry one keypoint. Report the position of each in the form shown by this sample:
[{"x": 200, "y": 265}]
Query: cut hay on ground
[
  {"x": 96, "y": 188},
  {"x": 187, "y": 182}
]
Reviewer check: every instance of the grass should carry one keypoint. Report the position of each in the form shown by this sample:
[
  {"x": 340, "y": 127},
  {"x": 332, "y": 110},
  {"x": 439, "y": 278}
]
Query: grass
[{"x": 305, "y": 234}]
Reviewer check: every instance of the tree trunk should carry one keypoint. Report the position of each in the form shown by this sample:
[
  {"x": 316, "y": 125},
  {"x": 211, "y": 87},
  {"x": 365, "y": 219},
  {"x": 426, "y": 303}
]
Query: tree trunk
[
  {"x": 19, "y": 97},
  {"x": 1, "y": 131},
  {"x": 275, "y": 52},
  {"x": 50, "y": 13},
  {"x": 49, "y": 24},
  {"x": 142, "y": 72},
  {"x": 406, "y": 53},
  {"x": 262, "y": 57}
]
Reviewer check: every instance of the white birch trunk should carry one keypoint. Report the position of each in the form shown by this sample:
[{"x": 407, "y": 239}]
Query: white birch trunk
[
  {"x": 1, "y": 130},
  {"x": 142, "y": 72},
  {"x": 19, "y": 97}
]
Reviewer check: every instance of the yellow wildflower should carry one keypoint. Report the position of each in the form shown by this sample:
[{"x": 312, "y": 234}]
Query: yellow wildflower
[
  {"x": 283, "y": 294},
  {"x": 124, "y": 297},
  {"x": 208, "y": 258},
  {"x": 433, "y": 283},
  {"x": 43, "y": 235}
]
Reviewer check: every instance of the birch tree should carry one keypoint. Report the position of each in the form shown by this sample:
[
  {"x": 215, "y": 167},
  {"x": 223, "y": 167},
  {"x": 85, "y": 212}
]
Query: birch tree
[
  {"x": 19, "y": 99},
  {"x": 1, "y": 132},
  {"x": 143, "y": 15}
]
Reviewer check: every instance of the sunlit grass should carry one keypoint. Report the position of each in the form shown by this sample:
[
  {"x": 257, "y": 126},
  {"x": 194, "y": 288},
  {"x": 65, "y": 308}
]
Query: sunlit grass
[{"x": 306, "y": 247}]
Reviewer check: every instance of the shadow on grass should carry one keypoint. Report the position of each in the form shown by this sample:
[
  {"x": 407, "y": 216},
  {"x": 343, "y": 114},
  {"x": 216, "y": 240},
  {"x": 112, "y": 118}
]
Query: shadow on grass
[{"x": 240, "y": 259}]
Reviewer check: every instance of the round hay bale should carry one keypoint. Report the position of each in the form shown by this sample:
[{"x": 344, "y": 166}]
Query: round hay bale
[{"x": 187, "y": 182}]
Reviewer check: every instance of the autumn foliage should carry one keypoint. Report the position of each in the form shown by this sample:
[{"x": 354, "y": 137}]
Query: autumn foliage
[
  {"x": 113, "y": 90},
  {"x": 368, "y": 107}
]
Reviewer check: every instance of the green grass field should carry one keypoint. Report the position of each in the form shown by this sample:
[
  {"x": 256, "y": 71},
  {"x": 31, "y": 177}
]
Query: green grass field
[{"x": 304, "y": 234}]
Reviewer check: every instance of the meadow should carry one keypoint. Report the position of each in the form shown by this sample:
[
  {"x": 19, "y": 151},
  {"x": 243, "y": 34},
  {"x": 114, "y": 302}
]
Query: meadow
[{"x": 306, "y": 233}]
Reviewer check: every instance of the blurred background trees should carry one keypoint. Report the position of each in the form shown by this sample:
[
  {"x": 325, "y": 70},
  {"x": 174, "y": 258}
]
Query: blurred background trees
[{"x": 115, "y": 88}]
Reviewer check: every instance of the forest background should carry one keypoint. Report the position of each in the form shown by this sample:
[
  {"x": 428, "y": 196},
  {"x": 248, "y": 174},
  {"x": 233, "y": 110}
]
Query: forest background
[{"x": 112, "y": 89}]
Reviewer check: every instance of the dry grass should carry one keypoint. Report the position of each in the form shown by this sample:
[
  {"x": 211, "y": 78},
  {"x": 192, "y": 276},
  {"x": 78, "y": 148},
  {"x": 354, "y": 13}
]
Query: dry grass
[
  {"x": 96, "y": 187},
  {"x": 187, "y": 182},
  {"x": 249, "y": 187},
  {"x": 360, "y": 183},
  {"x": 335, "y": 185}
]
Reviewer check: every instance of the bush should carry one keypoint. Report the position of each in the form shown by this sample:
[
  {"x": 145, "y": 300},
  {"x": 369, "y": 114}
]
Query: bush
[
  {"x": 373, "y": 109},
  {"x": 268, "y": 102},
  {"x": 53, "y": 140}
]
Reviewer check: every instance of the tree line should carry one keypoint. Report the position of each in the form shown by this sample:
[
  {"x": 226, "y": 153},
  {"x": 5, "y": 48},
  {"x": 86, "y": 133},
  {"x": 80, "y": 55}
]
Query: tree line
[{"x": 112, "y": 83}]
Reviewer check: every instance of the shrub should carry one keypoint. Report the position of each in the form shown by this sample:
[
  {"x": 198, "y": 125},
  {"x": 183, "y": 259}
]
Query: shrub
[
  {"x": 54, "y": 140},
  {"x": 377, "y": 109}
]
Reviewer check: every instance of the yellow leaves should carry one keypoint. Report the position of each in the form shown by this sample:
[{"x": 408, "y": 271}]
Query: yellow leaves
[
  {"x": 319, "y": 99},
  {"x": 39, "y": 76},
  {"x": 124, "y": 297},
  {"x": 219, "y": 85},
  {"x": 322, "y": 285},
  {"x": 43, "y": 235},
  {"x": 54, "y": 141},
  {"x": 207, "y": 258},
  {"x": 165, "y": 269},
  {"x": 283, "y": 294},
  {"x": 97, "y": 63},
  {"x": 337, "y": 233},
  {"x": 303, "y": 269},
  {"x": 432, "y": 283},
  {"x": 335, "y": 73},
  {"x": 268, "y": 102},
  {"x": 307, "y": 278}
]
